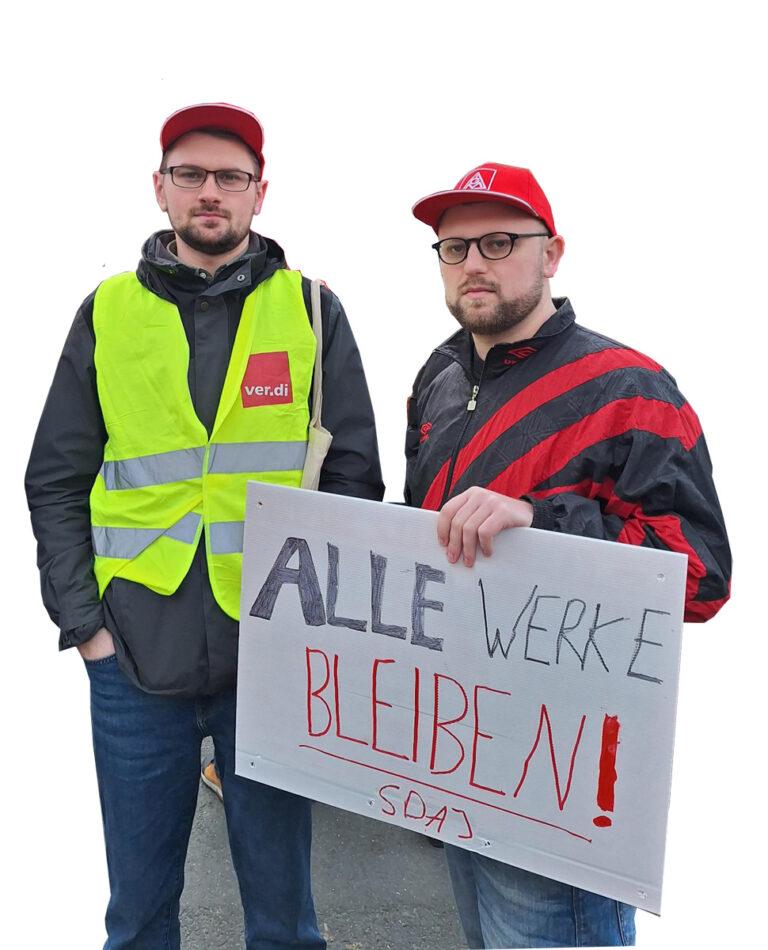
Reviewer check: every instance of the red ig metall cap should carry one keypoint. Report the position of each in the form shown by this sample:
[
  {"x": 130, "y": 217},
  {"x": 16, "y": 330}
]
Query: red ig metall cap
[{"x": 491, "y": 181}]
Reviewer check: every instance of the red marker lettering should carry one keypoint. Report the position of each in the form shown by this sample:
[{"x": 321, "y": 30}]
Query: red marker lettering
[
  {"x": 607, "y": 775},
  {"x": 376, "y": 702},
  {"x": 417, "y": 817},
  {"x": 391, "y": 809},
  {"x": 339, "y": 733},
  {"x": 315, "y": 694},
  {"x": 415, "y": 747},
  {"x": 562, "y": 797},
  {"x": 444, "y": 723},
  {"x": 463, "y": 814},
  {"x": 477, "y": 733}
]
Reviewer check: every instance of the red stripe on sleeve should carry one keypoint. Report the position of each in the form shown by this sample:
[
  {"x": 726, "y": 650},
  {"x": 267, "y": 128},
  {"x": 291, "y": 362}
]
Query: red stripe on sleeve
[
  {"x": 698, "y": 611},
  {"x": 588, "y": 489},
  {"x": 667, "y": 528},
  {"x": 623, "y": 415}
]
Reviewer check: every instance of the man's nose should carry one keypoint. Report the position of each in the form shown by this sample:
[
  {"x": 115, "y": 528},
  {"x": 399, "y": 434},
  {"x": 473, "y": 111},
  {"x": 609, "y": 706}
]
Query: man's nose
[
  {"x": 209, "y": 189},
  {"x": 474, "y": 262}
]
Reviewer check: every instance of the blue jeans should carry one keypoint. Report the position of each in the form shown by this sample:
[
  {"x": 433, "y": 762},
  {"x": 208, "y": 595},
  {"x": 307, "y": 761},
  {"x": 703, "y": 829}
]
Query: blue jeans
[
  {"x": 147, "y": 751},
  {"x": 503, "y": 906}
]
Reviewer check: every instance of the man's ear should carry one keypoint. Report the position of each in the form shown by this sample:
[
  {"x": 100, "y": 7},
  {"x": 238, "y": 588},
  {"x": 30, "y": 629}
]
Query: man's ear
[
  {"x": 261, "y": 190},
  {"x": 553, "y": 252},
  {"x": 158, "y": 180}
]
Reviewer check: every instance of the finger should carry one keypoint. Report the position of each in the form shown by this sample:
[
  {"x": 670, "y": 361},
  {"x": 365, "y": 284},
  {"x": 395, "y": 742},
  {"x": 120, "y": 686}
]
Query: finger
[
  {"x": 469, "y": 534},
  {"x": 447, "y": 512},
  {"x": 494, "y": 524},
  {"x": 455, "y": 537}
]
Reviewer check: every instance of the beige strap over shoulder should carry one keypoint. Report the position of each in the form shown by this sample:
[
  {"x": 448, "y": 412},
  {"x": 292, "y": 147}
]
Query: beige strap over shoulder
[{"x": 318, "y": 439}]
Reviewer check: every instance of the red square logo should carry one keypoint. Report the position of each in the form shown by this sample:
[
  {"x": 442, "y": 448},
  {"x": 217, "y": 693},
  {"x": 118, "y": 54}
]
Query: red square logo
[{"x": 267, "y": 380}]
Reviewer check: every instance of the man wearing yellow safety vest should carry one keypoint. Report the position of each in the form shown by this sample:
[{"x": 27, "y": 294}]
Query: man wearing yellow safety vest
[{"x": 177, "y": 384}]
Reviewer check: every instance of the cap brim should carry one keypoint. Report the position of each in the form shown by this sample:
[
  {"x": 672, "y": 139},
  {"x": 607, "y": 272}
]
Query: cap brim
[{"x": 430, "y": 209}]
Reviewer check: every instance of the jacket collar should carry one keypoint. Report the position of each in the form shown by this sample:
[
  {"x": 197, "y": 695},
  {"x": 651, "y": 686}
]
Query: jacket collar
[
  {"x": 461, "y": 348},
  {"x": 164, "y": 274}
]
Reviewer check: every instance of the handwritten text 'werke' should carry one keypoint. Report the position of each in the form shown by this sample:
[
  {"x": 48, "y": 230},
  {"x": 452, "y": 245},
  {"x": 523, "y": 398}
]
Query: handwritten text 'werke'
[{"x": 549, "y": 626}]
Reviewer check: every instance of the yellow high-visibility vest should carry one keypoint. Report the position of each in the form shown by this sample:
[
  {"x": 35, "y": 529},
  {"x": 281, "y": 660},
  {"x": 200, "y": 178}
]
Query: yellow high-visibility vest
[{"x": 163, "y": 481}]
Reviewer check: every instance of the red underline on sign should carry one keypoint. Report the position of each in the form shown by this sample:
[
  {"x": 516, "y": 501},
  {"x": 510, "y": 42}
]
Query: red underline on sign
[{"x": 447, "y": 791}]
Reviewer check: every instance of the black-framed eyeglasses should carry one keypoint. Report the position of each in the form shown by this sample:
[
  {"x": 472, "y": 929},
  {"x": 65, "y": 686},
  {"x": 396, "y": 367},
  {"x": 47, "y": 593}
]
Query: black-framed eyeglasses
[
  {"x": 192, "y": 176},
  {"x": 493, "y": 247}
]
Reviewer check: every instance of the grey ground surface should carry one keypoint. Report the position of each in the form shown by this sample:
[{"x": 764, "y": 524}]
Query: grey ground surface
[{"x": 376, "y": 886}]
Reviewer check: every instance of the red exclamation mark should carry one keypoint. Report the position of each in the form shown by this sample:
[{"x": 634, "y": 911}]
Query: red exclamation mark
[{"x": 607, "y": 776}]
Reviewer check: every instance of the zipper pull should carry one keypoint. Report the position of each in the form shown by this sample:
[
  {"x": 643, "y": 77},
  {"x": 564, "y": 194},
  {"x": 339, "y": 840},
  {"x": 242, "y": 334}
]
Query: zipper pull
[{"x": 472, "y": 404}]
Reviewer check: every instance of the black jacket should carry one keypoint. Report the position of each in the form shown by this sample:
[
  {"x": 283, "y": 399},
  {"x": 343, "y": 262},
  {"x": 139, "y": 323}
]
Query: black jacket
[
  {"x": 183, "y": 644},
  {"x": 594, "y": 434}
]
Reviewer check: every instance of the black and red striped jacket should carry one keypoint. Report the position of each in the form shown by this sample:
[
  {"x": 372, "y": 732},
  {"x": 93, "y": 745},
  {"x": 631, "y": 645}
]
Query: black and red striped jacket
[{"x": 596, "y": 435}]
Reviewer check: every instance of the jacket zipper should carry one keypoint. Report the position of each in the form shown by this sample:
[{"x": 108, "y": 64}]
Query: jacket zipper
[{"x": 471, "y": 406}]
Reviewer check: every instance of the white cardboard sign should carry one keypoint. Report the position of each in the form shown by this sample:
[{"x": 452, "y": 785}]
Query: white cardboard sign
[{"x": 524, "y": 708}]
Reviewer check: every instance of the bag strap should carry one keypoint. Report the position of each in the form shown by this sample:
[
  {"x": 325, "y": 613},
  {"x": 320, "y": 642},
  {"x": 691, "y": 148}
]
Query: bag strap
[{"x": 317, "y": 379}]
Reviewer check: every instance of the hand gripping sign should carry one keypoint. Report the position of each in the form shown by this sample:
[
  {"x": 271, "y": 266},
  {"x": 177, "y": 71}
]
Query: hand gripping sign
[{"x": 524, "y": 708}]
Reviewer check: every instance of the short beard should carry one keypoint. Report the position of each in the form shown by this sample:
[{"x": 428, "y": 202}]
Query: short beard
[
  {"x": 508, "y": 312},
  {"x": 221, "y": 244}
]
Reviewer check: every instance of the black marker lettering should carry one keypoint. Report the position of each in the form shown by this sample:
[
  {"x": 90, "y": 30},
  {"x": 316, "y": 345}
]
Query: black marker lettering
[
  {"x": 305, "y": 578},
  {"x": 332, "y": 592},
  {"x": 591, "y": 636},
  {"x": 532, "y": 626},
  {"x": 639, "y": 640},
  {"x": 378, "y": 574},
  {"x": 564, "y": 628},
  {"x": 419, "y": 604}
]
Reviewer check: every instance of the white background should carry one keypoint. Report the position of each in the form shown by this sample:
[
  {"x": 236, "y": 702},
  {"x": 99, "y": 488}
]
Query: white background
[{"x": 643, "y": 122}]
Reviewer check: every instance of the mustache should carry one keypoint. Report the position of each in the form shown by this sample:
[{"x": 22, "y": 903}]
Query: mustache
[
  {"x": 477, "y": 285},
  {"x": 211, "y": 208}
]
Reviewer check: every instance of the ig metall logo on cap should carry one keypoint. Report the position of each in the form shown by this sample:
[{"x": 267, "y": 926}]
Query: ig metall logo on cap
[{"x": 480, "y": 179}]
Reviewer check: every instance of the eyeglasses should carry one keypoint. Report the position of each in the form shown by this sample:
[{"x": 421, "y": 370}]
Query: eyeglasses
[
  {"x": 191, "y": 176},
  {"x": 493, "y": 247}
]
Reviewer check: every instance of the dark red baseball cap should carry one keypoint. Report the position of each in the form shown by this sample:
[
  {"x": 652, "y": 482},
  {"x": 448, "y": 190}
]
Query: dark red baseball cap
[
  {"x": 506, "y": 184},
  {"x": 215, "y": 115}
]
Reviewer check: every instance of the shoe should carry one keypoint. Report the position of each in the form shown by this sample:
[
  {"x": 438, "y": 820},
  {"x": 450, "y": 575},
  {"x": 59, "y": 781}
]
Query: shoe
[
  {"x": 435, "y": 842},
  {"x": 210, "y": 777}
]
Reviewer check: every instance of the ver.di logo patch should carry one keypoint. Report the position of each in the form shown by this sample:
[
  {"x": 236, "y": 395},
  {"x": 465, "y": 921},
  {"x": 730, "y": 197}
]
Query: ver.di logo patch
[{"x": 267, "y": 380}]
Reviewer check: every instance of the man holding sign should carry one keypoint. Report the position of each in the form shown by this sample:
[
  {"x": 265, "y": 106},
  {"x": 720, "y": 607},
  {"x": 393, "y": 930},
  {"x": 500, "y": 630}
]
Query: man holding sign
[{"x": 523, "y": 418}]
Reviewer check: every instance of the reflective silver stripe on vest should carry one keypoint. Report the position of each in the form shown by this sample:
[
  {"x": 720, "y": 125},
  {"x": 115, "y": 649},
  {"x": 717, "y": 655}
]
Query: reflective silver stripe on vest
[
  {"x": 128, "y": 543},
  {"x": 124, "y": 543},
  {"x": 226, "y": 537},
  {"x": 153, "y": 469},
  {"x": 186, "y": 529},
  {"x": 256, "y": 457}
]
